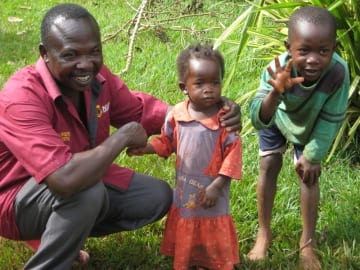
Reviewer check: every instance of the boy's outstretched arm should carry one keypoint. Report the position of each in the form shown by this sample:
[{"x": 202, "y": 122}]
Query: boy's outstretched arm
[{"x": 281, "y": 81}]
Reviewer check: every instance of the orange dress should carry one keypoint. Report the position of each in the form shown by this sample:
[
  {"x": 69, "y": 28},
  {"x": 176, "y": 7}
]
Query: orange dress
[{"x": 195, "y": 235}]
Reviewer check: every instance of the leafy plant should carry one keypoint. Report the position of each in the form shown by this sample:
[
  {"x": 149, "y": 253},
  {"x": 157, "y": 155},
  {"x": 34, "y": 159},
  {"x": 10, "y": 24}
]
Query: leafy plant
[{"x": 263, "y": 30}]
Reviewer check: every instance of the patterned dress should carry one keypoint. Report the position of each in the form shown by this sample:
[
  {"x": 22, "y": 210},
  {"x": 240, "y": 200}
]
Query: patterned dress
[{"x": 195, "y": 235}]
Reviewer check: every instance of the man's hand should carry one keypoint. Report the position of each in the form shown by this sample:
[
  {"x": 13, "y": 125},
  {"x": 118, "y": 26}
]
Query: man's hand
[
  {"x": 232, "y": 117},
  {"x": 135, "y": 134},
  {"x": 308, "y": 172}
]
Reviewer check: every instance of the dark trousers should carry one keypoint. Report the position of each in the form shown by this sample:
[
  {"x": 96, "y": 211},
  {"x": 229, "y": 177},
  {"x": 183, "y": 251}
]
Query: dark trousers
[{"x": 63, "y": 225}]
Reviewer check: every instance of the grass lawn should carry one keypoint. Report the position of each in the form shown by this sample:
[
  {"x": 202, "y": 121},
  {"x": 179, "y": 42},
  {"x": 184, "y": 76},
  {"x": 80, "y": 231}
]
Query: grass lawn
[{"x": 169, "y": 26}]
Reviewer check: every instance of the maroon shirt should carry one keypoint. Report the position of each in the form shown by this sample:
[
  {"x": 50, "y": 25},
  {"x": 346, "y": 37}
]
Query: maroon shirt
[{"x": 40, "y": 129}]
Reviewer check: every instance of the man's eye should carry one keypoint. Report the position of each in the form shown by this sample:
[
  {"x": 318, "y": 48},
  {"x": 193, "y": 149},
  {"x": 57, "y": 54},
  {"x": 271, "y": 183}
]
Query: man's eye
[
  {"x": 69, "y": 56},
  {"x": 96, "y": 51}
]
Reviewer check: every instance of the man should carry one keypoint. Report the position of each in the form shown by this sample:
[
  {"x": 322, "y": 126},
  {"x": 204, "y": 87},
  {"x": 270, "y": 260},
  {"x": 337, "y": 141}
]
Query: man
[{"x": 57, "y": 177}]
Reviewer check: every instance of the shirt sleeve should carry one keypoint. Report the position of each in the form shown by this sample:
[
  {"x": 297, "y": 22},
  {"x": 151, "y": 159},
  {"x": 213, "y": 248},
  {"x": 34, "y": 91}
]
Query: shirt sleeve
[
  {"x": 256, "y": 103},
  {"x": 165, "y": 143},
  {"x": 232, "y": 163},
  {"x": 27, "y": 132},
  {"x": 328, "y": 123}
]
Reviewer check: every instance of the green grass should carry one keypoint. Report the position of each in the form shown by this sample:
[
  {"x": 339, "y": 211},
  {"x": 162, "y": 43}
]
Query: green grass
[{"x": 153, "y": 70}]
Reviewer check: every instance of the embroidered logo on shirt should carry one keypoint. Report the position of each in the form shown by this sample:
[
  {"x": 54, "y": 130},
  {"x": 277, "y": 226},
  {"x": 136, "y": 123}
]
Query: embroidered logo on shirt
[
  {"x": 100, "y": 109},
  {"x": 65, "y": 136}
]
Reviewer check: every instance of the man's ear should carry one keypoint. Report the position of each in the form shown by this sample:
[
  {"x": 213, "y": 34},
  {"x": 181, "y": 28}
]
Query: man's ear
[
  {"x": 43, "y": 52},
  {"x": 182, "y": 87}
]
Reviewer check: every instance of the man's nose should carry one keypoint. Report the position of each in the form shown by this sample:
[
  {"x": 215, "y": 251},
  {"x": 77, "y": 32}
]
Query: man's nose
[{"x": 84, "y": 62}]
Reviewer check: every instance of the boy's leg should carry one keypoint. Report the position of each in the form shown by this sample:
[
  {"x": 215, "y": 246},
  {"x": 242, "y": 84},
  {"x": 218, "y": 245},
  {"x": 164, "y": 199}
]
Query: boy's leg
[
  {"x": 309, "y": 196},
  {"x": 269, "y": 169},
  {"x": 309, "y": 202},
  {"x": 145, "y": 201},
  {"x": 272, "y": 145},
  {"x": 62, "y": 224}
]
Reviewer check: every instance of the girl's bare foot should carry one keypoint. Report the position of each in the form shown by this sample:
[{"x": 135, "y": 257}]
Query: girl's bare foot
[
  {"x": 309, "y": 260},
  {"x": 259, "y": 251}
]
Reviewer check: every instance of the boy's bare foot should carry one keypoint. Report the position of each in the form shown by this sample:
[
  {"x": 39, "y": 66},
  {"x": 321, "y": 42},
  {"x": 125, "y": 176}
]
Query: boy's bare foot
[
  {"x": 309, "y": 260},
  {"x": 259, "y": 251}
]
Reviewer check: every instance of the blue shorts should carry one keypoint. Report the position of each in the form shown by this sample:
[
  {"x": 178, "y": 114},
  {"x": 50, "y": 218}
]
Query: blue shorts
[{"x": 272, "y": 141}]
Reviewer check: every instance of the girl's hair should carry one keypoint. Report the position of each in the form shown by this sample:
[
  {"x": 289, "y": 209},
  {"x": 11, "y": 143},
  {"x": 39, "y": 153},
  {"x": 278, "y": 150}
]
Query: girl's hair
[
  {"x": 198, "y": 52},
  {"x": 315, "y": 15},
  {"x": 63, "y": 11}
]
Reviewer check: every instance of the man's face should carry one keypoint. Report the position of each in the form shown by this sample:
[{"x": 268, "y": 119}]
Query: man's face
[{"x": 73, "y": 54}]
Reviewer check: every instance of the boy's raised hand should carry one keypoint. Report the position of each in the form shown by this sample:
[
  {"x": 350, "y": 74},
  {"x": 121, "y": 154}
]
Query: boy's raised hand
[{"x": 281, "y": 76}]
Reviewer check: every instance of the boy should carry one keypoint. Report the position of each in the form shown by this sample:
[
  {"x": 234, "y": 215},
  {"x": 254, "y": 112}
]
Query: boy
[{"x": 301, "y": 99}]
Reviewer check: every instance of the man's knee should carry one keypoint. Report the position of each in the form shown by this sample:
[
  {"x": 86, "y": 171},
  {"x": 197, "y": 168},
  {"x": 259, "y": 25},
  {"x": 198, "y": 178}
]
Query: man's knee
[
  {"x": 165, "y": 193},
  {"x": 92, "y": 200}
]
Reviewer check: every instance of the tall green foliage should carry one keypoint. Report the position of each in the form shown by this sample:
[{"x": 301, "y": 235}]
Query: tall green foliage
[{"x": 262, "y": 28}]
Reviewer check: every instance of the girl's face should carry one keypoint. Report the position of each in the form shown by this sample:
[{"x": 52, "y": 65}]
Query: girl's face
[
  {"x": 202, "y": 83},
  {"x": 311, "y": 47}
]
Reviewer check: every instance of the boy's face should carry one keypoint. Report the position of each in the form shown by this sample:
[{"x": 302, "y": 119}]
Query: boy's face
[
  {"x": 311, "y": 47},
  {"x": 203, "y": 83},
  {"x": 74, "y": 53}
]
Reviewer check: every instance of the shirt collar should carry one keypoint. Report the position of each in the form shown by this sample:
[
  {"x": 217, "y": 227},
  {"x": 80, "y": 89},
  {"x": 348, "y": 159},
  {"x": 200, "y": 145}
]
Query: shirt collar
[
  {"x": 48, "y": 80},
  {"x": 51, "y": 85},
  {"x": 181, "y": 113}
]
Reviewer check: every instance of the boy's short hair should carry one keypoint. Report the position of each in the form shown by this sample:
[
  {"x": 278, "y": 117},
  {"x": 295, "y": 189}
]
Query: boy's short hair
[
  {"x": 67, "y": 11},
  {"x": 198, "y": 52},
  {"x": 312, "y": 14}
]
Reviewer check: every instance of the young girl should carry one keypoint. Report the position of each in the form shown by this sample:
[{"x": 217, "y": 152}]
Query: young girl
[{"x": 199, "y": 231}]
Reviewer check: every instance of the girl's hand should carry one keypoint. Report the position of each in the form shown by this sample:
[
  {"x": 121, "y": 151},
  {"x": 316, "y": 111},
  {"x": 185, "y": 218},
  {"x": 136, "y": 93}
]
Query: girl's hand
[
  {"x": 211, "y": 196},
  {"x": 140, "y": 151},
  {"x": 281, "y": 77}
]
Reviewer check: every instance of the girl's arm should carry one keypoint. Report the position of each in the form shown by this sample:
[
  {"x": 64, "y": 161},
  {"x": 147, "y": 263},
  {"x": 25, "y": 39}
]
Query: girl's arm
[
  {"x": 148, "y": 149},
  {"x": 213, "y": 191}
]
